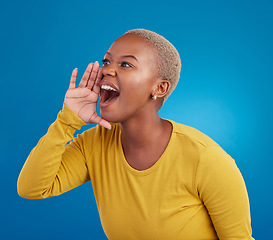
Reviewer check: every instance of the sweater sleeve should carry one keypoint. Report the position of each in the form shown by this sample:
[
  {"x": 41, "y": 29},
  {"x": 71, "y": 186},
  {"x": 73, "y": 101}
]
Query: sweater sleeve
[
  {"x": 53, "y": 166},
  {"x": 222, "y": 189}
]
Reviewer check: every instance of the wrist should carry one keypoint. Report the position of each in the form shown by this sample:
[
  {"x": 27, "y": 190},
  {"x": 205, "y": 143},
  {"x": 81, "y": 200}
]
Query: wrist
[{"x": 69, "y": 117}]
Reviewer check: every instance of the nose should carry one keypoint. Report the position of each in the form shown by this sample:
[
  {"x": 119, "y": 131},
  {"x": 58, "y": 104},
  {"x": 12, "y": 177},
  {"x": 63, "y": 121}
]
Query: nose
[{"x": 109, "y": 70}]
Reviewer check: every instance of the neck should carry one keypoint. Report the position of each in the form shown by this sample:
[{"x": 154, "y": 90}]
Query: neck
[{"x": 140, "y": 133}]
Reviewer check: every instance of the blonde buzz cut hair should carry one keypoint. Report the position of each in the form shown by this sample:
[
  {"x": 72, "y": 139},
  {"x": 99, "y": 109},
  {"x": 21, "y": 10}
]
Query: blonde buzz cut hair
[{"x": 168, "y": 59}]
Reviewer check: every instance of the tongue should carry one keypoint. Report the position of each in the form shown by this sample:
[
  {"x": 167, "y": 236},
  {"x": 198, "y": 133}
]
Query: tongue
[{"x": 108, "y": 96}]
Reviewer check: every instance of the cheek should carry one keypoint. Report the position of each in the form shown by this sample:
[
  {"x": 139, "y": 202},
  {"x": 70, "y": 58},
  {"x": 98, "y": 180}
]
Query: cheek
[
  {"x": 137, "y": 84},
  {"x": 144, "y": 79},
  {"x": 131, "y": 82},
  {"x": 138, "y": 88}
]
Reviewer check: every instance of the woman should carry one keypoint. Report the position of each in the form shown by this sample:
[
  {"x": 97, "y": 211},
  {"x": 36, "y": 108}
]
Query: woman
[{"x": 152, "y": 178}]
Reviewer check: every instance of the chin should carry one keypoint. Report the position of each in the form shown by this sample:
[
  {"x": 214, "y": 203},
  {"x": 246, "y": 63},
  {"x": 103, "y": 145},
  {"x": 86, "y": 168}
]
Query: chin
[{"x": 109, "y": 116}]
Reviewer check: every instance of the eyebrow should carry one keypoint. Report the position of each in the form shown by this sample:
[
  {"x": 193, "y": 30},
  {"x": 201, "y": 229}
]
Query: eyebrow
[{"x": 125, "y": 56}]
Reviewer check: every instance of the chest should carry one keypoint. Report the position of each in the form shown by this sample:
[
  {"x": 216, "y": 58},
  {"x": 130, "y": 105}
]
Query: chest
[
  {"x": 157, "y": 203},
  {"x": 142, "y": 160},
  {"x": 152, "y": 210},
  {"x": 152, "y": 206}
]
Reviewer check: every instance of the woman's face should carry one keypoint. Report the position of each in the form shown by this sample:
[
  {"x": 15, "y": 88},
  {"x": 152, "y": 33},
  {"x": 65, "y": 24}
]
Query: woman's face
[{"x": 130, "y": 77}]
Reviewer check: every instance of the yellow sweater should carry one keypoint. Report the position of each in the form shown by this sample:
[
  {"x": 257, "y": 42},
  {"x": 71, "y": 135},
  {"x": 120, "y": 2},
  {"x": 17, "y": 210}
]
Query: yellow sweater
[{"x": 194, "y": 191}]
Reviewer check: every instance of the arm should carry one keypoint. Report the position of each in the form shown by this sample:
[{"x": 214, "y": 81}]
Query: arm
[
  {"x": 52, "y": 166},
  {"x": 222, "y": 189}
]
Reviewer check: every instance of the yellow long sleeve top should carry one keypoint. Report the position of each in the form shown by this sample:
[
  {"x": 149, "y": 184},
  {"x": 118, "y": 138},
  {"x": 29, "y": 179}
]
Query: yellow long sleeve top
[{"x": 194, "y": 191}]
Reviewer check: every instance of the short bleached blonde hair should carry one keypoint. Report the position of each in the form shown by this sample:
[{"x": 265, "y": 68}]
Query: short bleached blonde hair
[{"x": 168, "y": 59}]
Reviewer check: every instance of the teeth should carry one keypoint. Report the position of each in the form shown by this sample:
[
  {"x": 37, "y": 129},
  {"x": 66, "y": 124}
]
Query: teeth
[{"x": 107, "y": 87}]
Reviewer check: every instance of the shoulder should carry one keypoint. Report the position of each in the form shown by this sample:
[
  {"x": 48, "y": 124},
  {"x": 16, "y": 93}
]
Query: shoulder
[
  {"x": 201, "y": 148},
  {"x": 192, "y": 135},
  {"x": 209, "y": 151}
]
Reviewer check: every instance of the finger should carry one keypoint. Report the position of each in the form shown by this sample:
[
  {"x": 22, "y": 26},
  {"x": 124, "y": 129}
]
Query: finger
[
  {"x": 73, "y": 78},
  {"x": 93, "y": 75},
  {"x": 98, "y": 120},
  {"x": 86, "y": 75},
  {"x": 105, "y": 124},
  {"x": 96, "y": 87}
]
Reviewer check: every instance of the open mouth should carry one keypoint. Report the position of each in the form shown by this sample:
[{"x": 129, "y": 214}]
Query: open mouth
[{"x": 108, "y": 94}]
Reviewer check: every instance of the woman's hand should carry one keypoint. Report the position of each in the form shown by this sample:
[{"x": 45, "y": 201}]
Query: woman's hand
[{"x": 83, "y": 99}]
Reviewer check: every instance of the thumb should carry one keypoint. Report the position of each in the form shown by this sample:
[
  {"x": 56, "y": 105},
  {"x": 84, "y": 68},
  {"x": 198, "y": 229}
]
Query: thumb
[
  {"x": 105, "y": 124},
  {"x": 98, "y": 120}
]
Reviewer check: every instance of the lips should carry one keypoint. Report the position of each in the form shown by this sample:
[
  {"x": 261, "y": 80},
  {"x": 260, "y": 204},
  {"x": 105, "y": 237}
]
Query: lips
[{"x": 109, "y": 92}]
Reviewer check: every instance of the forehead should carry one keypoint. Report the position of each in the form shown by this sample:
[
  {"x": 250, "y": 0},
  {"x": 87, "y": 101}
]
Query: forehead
[{"x": 130, "y": 44}]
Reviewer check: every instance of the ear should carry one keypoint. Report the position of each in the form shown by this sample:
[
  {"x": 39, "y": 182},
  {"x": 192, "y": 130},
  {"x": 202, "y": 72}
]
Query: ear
[{"x": 161, "y": 88}]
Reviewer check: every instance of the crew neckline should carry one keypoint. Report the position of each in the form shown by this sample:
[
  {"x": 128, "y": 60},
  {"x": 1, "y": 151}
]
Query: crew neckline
[{"x": 157, "y": 163}]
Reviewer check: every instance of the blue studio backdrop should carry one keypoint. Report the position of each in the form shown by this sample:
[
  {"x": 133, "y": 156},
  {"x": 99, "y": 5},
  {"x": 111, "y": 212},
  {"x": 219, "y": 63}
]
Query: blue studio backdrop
[{"x": 224, "y": 91}]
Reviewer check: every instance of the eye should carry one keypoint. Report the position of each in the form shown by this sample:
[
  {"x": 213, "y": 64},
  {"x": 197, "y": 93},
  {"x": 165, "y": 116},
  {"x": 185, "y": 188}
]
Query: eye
[
  {"x": 105, "y": 61},
  {"x": 125, "y": 64}
]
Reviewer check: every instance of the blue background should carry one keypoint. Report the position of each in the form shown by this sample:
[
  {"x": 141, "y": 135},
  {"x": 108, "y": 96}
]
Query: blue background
[{"x": 225, "y": 90}]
